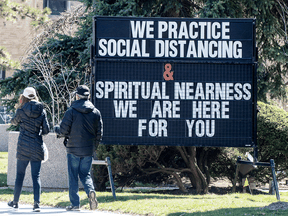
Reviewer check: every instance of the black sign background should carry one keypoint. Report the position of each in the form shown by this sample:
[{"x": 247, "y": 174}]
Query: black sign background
[
  {"x": 238, "y": 130},
  {"x": 242, "y": 30}
]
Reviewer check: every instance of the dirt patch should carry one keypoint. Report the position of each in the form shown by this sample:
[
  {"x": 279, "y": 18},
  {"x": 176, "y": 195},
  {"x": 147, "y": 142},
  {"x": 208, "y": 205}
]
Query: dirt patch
[
  {"x": 276, "y": 206},
  {"x": 218, "y": 187},
  {"x": 211, "y": 190}
]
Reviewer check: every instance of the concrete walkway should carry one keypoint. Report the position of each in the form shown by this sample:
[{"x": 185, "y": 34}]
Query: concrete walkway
[{"x": 27, "y": 210}]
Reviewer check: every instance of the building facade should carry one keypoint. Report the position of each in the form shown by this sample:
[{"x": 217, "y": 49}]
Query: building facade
[{"x": 15, "y": 37}]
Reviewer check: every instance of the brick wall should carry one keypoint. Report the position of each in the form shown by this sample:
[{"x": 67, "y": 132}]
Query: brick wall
[{"x": 15, "y": 37}]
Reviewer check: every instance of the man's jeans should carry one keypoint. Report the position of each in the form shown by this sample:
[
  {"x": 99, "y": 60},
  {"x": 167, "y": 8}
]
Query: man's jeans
[
  {"x": 79, "y": 166},
  {"x": 35, "y": 172}
]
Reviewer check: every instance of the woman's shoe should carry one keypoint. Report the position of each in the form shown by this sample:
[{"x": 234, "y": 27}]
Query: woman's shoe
[
  {"x": 36, "y": 207},
  {"x": 13, "y": 205}
]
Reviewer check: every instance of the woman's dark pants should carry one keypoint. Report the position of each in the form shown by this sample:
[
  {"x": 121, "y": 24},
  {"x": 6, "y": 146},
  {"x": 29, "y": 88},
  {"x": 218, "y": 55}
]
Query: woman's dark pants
[{"x": 35, "y": 172}]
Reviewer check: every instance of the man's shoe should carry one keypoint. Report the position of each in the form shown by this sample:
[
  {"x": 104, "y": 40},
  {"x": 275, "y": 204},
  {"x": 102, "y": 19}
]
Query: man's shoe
[
  {"x": 92, "y": 200},
  {"x": 72, "y": 208},
  {"x": 13, "y": 205},
  {"x": 36, "y": 207}
]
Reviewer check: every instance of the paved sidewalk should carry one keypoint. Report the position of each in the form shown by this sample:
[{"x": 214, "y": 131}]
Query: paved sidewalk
[{"x": 27, "y": 210}]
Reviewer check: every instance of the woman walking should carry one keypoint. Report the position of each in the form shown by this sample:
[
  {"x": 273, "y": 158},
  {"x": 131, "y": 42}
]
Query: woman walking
[{"x": 31, "y": 117}]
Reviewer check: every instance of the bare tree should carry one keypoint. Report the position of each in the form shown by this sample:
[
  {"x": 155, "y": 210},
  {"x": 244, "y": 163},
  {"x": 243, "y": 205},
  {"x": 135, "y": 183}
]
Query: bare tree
[
  {"x": 55, "y": 77},
  {"x": 283, "y": 12},
  {"x": 58, "y": 85}
]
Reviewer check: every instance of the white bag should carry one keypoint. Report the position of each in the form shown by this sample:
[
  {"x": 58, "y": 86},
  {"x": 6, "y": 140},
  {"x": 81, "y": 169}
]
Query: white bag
[{"x": 46, "y": 156}]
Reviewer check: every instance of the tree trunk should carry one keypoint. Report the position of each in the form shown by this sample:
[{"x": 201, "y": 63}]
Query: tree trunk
[
  {"x": 205, "y": 168},
  {"x": 179, "y": 182},
  {"x": 195, "y": 175},
  {"x": 202, "y": 162}
]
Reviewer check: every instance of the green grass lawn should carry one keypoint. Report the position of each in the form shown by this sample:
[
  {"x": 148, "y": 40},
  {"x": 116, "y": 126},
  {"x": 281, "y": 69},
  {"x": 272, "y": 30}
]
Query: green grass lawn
[
  {"x": 3, "y": 168},
  {"x": 143, "y": 203}
]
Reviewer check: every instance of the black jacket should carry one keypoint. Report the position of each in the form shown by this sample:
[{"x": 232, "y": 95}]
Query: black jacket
[
  {"x": 33, "y": 124},
  {"x": 82, "y": 124}
]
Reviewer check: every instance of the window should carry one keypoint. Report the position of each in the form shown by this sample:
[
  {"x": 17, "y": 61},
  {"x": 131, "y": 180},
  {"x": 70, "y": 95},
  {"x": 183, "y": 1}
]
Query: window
[
  {"x": 56, "y": 6},
  {"x": 2, "y": 74}
]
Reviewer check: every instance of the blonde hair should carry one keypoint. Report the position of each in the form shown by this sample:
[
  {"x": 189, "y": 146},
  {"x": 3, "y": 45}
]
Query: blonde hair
[{"x": 23, "y": 100}]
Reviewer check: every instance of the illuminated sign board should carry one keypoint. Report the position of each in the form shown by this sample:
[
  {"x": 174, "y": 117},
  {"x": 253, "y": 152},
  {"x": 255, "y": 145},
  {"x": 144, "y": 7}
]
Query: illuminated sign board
[{"x": 175, "y": 81}]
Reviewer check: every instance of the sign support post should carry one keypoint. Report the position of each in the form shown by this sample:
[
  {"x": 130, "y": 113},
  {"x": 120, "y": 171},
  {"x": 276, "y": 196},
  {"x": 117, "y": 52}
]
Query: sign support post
[{"x": 240, "y": 162}]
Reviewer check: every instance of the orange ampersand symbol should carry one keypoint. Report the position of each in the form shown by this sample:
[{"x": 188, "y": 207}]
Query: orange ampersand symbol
[{"x": 168, "y": 74}]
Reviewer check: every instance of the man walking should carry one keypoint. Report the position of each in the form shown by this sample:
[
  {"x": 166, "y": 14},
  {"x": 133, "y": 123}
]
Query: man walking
[{"x": 82, "y": 125}]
